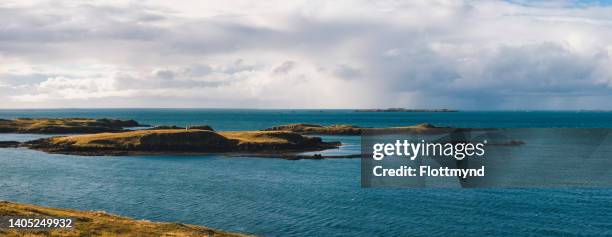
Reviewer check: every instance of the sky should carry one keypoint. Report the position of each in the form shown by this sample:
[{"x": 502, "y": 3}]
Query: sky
[{"x": 306, "y": 54}]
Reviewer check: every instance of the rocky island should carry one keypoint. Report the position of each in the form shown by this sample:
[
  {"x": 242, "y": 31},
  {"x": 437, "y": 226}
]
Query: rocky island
[
  {"x": 64, "y": 125},
  {"x": 97, "y": 223},
  {"x": 181, "y": 141}
]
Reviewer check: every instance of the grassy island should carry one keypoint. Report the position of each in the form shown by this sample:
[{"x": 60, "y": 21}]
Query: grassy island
[
  {"x": 180, "y": 141},
  {"x": 303, "y": 128},
  {"x": 64, "y": 125},
  {"x": 342, "y": 129},
  {"x": 92, "y": 223}
]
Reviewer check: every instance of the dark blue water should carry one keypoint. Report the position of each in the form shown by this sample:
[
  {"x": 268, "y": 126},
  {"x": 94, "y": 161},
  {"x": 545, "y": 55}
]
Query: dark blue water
[{"x": 274, "y": 197}]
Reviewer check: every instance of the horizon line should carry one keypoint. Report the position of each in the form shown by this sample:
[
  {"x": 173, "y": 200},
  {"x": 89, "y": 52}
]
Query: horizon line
[{"x": 239, "y": 108}]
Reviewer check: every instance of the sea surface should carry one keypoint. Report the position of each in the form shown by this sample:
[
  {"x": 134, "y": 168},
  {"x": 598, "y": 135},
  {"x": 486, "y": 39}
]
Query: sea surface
[{"x": 274, "y": 197}]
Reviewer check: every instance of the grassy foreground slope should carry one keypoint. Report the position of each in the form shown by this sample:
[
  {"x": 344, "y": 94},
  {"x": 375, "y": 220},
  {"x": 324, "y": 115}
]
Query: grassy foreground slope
[{"x": 88, "y": 223}]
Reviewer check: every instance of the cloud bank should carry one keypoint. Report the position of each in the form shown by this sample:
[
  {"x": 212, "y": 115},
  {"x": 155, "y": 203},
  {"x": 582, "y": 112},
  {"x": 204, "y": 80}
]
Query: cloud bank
[{"x": 306, "y": 54}]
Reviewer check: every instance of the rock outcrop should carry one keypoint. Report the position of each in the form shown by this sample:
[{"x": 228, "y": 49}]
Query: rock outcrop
[
  {"x": 181, "y": 141},
  {"x": 9, "y": 144},
  {"x": 201, "y": 127},
  {"x": 64, "y": 125}
]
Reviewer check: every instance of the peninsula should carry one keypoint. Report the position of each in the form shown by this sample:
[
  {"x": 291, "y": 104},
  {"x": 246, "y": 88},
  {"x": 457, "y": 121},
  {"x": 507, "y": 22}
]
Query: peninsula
[
  {"x": 64, "y": 125},
  {"x": 96, "y": 223}
]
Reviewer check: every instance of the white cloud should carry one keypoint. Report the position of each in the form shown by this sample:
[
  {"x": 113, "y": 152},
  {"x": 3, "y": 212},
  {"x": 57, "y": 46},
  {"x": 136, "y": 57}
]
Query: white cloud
[{"x": 306, "y": 54}]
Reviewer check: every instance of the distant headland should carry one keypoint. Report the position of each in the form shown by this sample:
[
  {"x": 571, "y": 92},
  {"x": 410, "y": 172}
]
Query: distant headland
[
  {"x": 65, "y": 125},
  {"x": 405, "y": 110},
  {"x": 343, "y": 129}
]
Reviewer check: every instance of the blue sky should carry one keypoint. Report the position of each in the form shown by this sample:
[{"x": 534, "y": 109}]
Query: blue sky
[{"x": 306, "y": 54}]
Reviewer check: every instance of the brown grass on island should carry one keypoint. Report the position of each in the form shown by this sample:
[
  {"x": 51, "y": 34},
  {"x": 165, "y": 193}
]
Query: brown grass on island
[
  {"x": 64, "y": 125},
  {"x": 180, "y": 141},
  {"x": 96, "y": 223}
]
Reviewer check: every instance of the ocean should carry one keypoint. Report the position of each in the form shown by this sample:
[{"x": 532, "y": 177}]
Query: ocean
[{"x": 274, "y": 197}]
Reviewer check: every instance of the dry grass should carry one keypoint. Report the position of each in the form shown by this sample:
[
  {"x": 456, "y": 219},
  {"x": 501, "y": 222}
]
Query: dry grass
[
  {"x": 259, "y": 136},
  {"x": 114, "y": 139},
  {"x": 89, "y": 223}
]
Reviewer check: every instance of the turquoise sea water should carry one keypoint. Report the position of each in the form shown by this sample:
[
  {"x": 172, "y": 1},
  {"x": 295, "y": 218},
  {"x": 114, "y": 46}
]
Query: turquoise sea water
[{"x": 273, "y": 197}]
